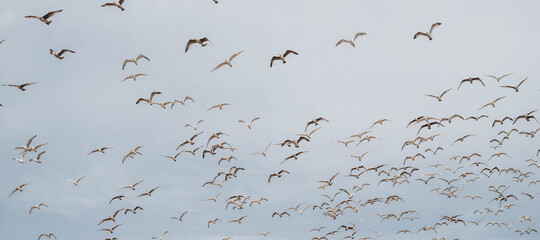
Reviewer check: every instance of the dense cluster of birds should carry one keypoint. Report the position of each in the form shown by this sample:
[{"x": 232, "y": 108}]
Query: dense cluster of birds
[{"x": 340, "y": 202}]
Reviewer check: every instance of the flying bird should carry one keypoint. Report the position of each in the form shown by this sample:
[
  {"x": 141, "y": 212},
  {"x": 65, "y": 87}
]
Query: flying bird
[
  {"x": 117, "y": 4},
  {"x": 180, "y": 217},
  {"x": 59, "y": 55},
  {"x": 499, "y": 78},
  {"x": 134, "y": 76},
  {"x": 250, "y": 125},
  {"x": 516, "y": 88},
  {"x": 471, "y": 81},
  {"x": 18, "y": 189},
  {"x": 227, "y": 61},
  {"x": 21, "y": 86},
  {"x": 439, "y": 98},
  {"x": 76, "y": 183},
  {"x": 282, "y": 57},
  {"x": 45, "y": 18},
  {"x": 428, "y": 34},
  {"x": 200, "y": 41},
  {"x": 351, "y": 41},
  {"x": 134, "y": 60}
]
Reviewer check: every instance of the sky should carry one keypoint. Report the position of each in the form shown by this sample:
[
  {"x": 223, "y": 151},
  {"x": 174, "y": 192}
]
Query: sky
[{"x": 80, "y": 104}]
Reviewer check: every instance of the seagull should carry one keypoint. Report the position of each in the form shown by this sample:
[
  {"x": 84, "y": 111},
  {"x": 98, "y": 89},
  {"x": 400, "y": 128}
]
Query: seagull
[
  {"x": 134, "y": 60},
  {"x": 282, "y": 57},
  {"x": 227, "y": 61},
  {"x": 194, "y": 126},
  {"x": 49, "y": 235},
  {"x": 134, "y": 76},
  {"x": 148, "y": 100},
  {"x": 471, "y": 80},
  {"x": 76, "y": 183},
  {"x": 250, "y": 125},
  {"x": 111, "y": 218},
  {"x": 263, "y": 234},
  {"x": 132, "y": 187},
  {"x": 263, "y": 153},
  {"x": 220, "y": 106},
  {"x": 439, "y": 98},
  {"x": 119, "y": 197},
  {"x": 149, "y": 193},
  {"x": 59, "y": 55},
  {"x": 19, "y": 188},
  {"x": 201, "y": 41},
  {"x": 239, "y": 221},
  {"x": 38, "y": 207},
  {"x": 427, "y": 34},
  {"x": 351, "y": 42},
  {"x": 21, "y": 86},
  {"x": 111, "y": 230},
  {"x": 278, "y": 174},
  {"x": 161, "y": 238},
  {"x": 214, "y": 221},
  {"x": 499, "y": 78},
  {"x": 133, "y": 152},
  {"x": 45, "y": 18},
  {"x": 181, "y": 216},
  {"x": 115, "y": 4},
  {"x": 101, "y": 150},
  {"x": 516, "y": 88},
  {"x": 37, "y": 158}
]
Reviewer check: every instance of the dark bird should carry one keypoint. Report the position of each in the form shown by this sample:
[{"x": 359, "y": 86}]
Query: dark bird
[
  {"x": 282, "y": 57},
  {"x": 45, "y": 18},
  {"x": 428, "y": 34}
]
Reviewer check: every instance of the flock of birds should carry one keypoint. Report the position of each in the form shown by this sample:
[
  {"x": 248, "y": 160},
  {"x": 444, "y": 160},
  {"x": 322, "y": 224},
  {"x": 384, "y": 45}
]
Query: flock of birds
[{"x": 341, "y": 203}]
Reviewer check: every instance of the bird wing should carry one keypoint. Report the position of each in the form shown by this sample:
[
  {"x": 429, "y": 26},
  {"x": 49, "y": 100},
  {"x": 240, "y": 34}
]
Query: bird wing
[
  {"x": 50, "y": 14},
  {"x": 420, "y": 34},
  {"x": 274, "y": 58},
  {"x": 289, "y": 52},
  {"x": 358, "y": 34},
  {"x": 235, "y": 55},
  {"x": 65, "y": 50},
  {"x": 189, "y": 43},
  {"x": 434, "y": 26},
  {"x": 219, "y": 65},
  {"x": 142, "y": 56}
]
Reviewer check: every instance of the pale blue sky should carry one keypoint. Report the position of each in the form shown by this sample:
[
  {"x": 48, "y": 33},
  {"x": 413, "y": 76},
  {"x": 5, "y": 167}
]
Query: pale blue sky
[{"x": 80, "y": 104}]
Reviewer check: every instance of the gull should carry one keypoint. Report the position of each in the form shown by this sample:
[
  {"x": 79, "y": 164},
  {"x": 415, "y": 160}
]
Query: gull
[
  {"x": 359, "y": 157},
  {"x": 492, "y": 103},
  {"x": 134, "y": 60},
  {"x": 111, "y": 230},
  {"x": 161, "y": 238},
  {"x": 183, "y": 102},
  {"x": 181, "y": 216},
  {"x": 194, "y": 126},
  {"x": 308, "y": 135},
  {"x": 134, "y": 210},
  {"x": 134, "y": 76},
  {"x": 48, "y": 235},
  {"x": 381, "y": 121},
  {"x": 76, "y": 183},
  {"x": 59, "y": 55},
  {"x": 220, "y": 106},
  {"x": 20, "y": 160},
  {"x": 20, "y": 86},
  {"x": 239, "y": 221},
  {"x": 351, "y": 42},
  {"x": 119, "y": 197},
  {"x": 190, "y": 140},
  {"x": 476, "y": 118},
  {"x": 280, "y": 214},
  {"x": 227, "y": 159},
  {"x": 111, "y": 218},
  {"x": 212, "y": 199},
  {"x": 215, "y": 135},
  {"x": 101, "y": 150},
  {"x": 516, "y": 88},
  {"x": 346, "y": 143},
  {"x": 258, "y": 201},
  {"x": 173, "y": 157},
  {"x": 499, "y": 78},
  {"x": 317, "y": 229},
  {"x": 115, "y": 4},
  {"x": 201, "y": 41},
  {"x": 227, "y": 61},
  {"x": 133, "y": 152},
  {"x": 37, "y": 159},
  {"x": 439, "y": 98},
  {"x": 148, "y": 100},
  {"x": 428, "y": 34},
  {"x": 263, "y": 153},
  {"x": 19, "y": 188},
  {"x": 315, "y": 122},
  {"x": 278, "y": 174},
  {"x": 471, "y": 80},
  {"x": 294, "y": 156},
  {"x": 214, "y": 221},
  {"x": 263, "y": 234},
  {"x": 28, "y": 143},
  {"x": 38, "y": 207},
  {"x": 282, "y": 57},
  {"x": 149, "y": 193},
  {"x": 45, "y": 18},
  {"x": 132, "y": 187},
  {"x": 250, "y": 125}
]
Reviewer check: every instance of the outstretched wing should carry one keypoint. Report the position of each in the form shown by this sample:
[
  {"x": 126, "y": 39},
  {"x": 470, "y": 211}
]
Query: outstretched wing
[
  {"x": 219, "y": 65},
  {"x": 274, "y": 58},
  {"x": 289, "y": 52},
  {"x": 50, "y": 14},
  {"x": 189, "y": 43},
  {"x": 434, "y": 26},
  {"x": 358, "y": 34},
  {"x": 235, "y": 55}
]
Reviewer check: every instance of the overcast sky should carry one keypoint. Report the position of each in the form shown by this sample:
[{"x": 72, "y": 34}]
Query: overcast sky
[{"x": 79, "y": 104}]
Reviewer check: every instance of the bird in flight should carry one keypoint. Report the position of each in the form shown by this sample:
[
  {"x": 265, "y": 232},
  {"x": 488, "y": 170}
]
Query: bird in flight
[
  {"x": 516, "y": 88},
  {"x": 428, "y": 34},
  {"x": 115, "y": 4},
  {"x": 76, "y": 182},
  {"x": 499, "y": 78},
  {"x": 250, "y": 123},
  {"x": 200, "y": 41},
  {"x": 282, "y": 57},
  {"x": 227, "y": 61},
  {"x": 439, "y": 98},
  {"x": 45, "y": 18},
  {"x": 471, "y": 80},
  {"x": 134, "y": 60},
  {"x": 21, "y": 87},
  {"x": 59, "y": 55},
  {"x": 351, "y": 41}
]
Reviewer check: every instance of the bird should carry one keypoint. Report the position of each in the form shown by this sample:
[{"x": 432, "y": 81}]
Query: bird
[
  {"x": 134, "y": 76},
  {"x": 38, "y": 207},
  {"x": 37, "y": 159},
  {"x": 21, "y": 87},
  {"x": 183, "y": 102},
  {"x": 45, "y": 18},
  {"x": 492, "y": 103},
  {"x": 250, "y": 125},
  {"x": 111, "y": 230},
  {"x": 119, "y": 197},
  {"x": 195, "y": 127},
  {"x": 101, "y": 150},
  {"x": 351, "y": 41},
  {"x": 214, "y": 221},
  {"x": 111, "y": 218},
  {"x": 190, "y": 140},
  {"x": 380, "y": 122},
  {"x": 315, "y": 122},
  {"x": 18, "y": 189},
  {"x": 471, "y": 81},
  {"x": 161, "y": 238},
  {"x": 516, "y": 88},
  {"x": 133, "y": 152},
  {"x": 282, "y": 57},
  {"x": 76, "y": 183},
  {"x": 263, "y": 234},
  {"x": 134, "y": 60},
  {"x": 148, "y": 100},
  {"x": 439, "y": 98},
  {"x": 428, "y": 34},
  {"x": 499, "y": 78},
  {"x": 132, "y": 187},
  {"x": 263, "y": 153},
  {"x": 134, "y": 210},
  {"x": 59, "y": 55},
  {"x": 280, "y": 214},
  {"x": 48, "y": 235},
  {"x": 181, "y": 216},
  {"x": 227, "y": 61},
  {"x": 117, "y": 4},
  {"x": 149, "y": 193},
  {"x": 277, "y": 174},
  {"x": 220, "y": 106},
  {"x": 239, "y": 221},
  {"x": 200, "y": 41}
]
